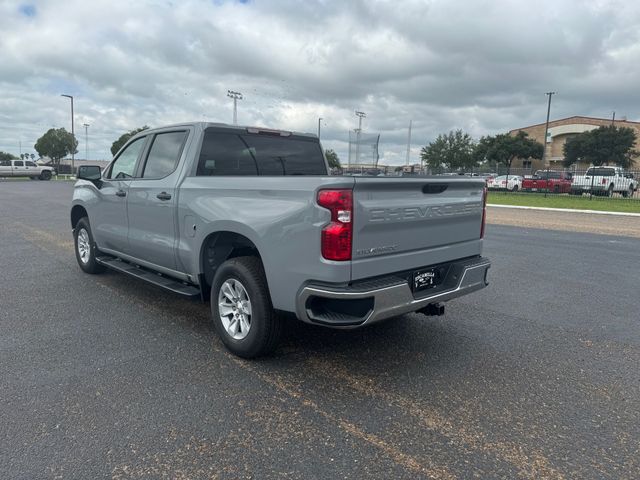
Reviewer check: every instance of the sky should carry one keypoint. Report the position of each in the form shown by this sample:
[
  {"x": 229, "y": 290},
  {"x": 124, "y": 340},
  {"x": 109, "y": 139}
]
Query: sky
[{"x": 481, "y": 66}]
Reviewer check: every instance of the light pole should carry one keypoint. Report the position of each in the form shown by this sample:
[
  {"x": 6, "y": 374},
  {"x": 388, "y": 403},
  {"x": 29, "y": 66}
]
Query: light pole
[
  {"x": 236, "y": 96},
  {"x": 319, "y": 118},
  {"x": 86, "y": 140},
  {"x": 409, "y": 143},
  {"x": 73, "y": 134},
  {"x": 360, "y": 116}
]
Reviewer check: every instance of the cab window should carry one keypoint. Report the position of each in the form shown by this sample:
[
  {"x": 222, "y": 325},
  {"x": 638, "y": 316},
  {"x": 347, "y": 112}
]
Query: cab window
[
  {"x": 164, "y": 154},
  {"x": 125, "y": 164}
]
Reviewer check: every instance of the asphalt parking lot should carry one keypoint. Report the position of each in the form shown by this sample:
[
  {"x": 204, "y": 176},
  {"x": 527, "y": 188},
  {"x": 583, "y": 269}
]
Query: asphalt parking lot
[{"x": 103, "y": 376}]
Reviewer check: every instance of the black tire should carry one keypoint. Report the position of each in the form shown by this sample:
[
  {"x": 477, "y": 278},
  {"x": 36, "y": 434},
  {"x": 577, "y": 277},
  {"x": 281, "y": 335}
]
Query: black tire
[
  {"x": 556, "y": 189},
  {"x": 265, "y": 326},
  {"x": 45, "y": 175},
  {"x": 515, "y": 188},
  {"x": 610, "y": 191},
  {"x": 88, "y": 264},
  {"x": 628, "y": 193}
]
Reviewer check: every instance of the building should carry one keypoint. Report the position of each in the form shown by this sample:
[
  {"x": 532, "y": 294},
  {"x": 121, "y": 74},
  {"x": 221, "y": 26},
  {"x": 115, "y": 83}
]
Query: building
[{"x": 558, "y": 133}]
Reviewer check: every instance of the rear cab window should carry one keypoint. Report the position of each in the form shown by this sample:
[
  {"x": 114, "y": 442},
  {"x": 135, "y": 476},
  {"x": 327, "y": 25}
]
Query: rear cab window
[
  {"x": 256, "y": 154},
  {"x": 601, "y": 172}
]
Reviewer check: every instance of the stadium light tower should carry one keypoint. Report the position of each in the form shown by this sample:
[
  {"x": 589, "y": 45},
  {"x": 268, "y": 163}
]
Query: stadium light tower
[
  {"x": 236, "y": 96},
  {"x": 360, "y": 116}
]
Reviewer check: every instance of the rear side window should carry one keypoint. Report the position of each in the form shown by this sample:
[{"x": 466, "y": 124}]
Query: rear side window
[
  {"x": 164, "y": 154},
  {"x": 5, "y": 163},
  {"x": 256, "y": 154},
  {"x": 18, "y": 163}
]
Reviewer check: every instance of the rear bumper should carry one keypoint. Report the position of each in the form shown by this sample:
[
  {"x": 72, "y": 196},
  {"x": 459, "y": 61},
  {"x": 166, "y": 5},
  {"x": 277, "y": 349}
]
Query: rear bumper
[{"x": 371, "y": 301}]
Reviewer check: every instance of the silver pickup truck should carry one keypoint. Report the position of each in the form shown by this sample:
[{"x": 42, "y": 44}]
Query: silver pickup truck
[{"x": 249, "y": 219}]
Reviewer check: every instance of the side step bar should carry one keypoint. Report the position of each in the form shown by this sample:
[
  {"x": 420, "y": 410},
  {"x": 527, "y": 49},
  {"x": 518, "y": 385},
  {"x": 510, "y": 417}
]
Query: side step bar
[{"x": 148, "y": 276}]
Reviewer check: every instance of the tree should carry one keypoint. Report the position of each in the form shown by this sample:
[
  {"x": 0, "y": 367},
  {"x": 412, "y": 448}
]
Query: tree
[
  {"x": 332, "y": 158},
  {"x": 32, "y": 156},
  {"x": 6, "y": 156},
  {"x": 504, "y": 148},
  {"x": 56, "y": 144},
  {"x": 22, "y": 156},
  {"x": 124, "y": 138},
  {"x": 453, "y": 150},
  {"x": 602, "y": 146}
]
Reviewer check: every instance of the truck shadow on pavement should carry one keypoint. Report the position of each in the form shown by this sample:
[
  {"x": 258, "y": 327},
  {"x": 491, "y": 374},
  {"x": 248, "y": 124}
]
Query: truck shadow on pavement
[{"x": 402, "y": 340}]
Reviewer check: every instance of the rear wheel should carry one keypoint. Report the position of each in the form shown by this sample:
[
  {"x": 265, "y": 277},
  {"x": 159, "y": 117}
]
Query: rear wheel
[
  {"x": 241, "y": 308},
  {"x": 515, "y": 188},
  {"x": 85, "y": 247}
]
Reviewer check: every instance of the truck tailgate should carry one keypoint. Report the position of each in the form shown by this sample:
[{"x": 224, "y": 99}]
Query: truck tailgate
[{"x": 402, "y": 224}]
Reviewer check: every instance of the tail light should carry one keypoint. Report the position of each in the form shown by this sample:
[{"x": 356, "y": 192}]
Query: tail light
[
  {"x": 484, "y": 211},
  {"x": 337, "y": 237}
]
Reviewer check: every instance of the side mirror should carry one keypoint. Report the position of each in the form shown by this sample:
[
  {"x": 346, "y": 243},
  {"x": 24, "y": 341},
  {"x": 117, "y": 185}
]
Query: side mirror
[{"x": 89, "y": 172}]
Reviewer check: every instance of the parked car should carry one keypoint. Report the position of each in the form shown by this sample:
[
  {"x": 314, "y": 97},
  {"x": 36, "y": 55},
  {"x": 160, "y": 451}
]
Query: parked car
[
  {"x": 548, "y": 180},
  {"x": 512, "y": 183},
  {"x": 250, "y": 218},
  {"x": 605, "y": 181},
  {"x": 25, "y": 168}
]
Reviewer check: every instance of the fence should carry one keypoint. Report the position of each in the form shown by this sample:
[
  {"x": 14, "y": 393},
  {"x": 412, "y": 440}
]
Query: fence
[
  {"x": 606, "y": 183},
  {"x": 594, "y": 183}
]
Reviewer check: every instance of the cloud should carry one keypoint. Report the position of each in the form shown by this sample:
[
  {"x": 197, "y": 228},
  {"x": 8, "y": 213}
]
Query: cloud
[{"x": 480, "y": 66}]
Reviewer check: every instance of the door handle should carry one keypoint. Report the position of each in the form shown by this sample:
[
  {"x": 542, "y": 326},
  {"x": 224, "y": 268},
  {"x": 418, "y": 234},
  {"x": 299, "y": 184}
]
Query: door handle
[
  {"x": 164, "y": 196},
  {"x": 121, "y": 193}
]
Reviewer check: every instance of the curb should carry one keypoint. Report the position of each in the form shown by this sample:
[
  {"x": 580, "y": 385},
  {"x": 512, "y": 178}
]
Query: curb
[{"x": 570, "y": 210}]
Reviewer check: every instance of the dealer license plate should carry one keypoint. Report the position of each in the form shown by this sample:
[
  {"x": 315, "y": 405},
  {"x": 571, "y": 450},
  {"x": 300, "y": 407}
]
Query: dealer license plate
[{"x": 426, "y": 278}]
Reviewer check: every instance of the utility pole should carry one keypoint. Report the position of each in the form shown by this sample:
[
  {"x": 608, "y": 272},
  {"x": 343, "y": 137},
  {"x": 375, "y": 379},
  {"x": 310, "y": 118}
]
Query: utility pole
[
  {"x": 73, "y": 134},
  {"x": 546, "y": 130},
  {"x": 546, "y": 126},
  {"x": 86, "y": 140},
  {"x": 319, "y": 118},
  {"x": 360, "y": 116},
  {"x": 236, "y": 96},
  {"x": 613, "y": 118},
  {"x": 409, "y": 143}
]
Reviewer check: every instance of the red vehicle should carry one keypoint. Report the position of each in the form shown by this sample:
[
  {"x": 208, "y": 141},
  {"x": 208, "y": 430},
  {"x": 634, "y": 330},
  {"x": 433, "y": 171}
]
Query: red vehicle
[{"x": 548, "y": 180}]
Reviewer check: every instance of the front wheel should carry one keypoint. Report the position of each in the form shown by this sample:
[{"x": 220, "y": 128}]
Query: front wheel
[
  {"x": 85, "y": 247},
  {"x": 45, "y": 175},
  {"x": 628, "y": 193},
  {"x": 241, "y": 308},
  {"x": 515, "y": 188}
]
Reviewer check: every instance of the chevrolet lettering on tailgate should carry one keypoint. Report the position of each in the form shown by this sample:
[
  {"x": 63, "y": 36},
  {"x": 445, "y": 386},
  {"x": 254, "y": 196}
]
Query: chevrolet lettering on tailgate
[{"x": 419, "y": 212}]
